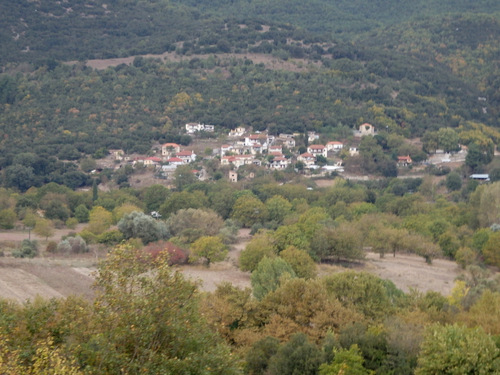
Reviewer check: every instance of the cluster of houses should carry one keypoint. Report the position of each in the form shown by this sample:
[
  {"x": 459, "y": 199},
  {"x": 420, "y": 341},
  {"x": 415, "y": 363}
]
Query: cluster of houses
[{"x": 261, "y": 149}]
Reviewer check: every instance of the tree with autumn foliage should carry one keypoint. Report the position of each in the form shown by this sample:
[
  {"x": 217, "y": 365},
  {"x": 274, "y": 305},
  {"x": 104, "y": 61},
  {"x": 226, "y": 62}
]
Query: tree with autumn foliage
[{"x": 146, "y": 320}]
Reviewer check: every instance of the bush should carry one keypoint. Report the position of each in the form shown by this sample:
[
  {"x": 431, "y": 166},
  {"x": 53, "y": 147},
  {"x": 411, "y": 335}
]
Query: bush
[
  {"x": 28, "y": 249},
  {"x": 465, "y": 257},
  {"x": 88, "y": 236},
  {"x": 176, "y": 255},
  {"x": 111, "y": 237},
  {"x": 51, "y": 247},
  {"x": 139, "y": 225},
  {"x": 72, "y": 245},
  {"x": 72, "y": 222}
]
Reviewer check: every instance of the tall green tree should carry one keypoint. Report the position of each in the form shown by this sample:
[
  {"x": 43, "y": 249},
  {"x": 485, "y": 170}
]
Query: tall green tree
[
  {"x": 209, "y": 248},
  {"x": 346, "y": 362},
  {"x": 457, "y": 350},
  {"x": 139, "y": 225},
  {"x": 147, "y": 321},
  {"x": 297, "y": 356},
  {"x": 268, "y": 275},
  {"x": 249, "y": 210}
]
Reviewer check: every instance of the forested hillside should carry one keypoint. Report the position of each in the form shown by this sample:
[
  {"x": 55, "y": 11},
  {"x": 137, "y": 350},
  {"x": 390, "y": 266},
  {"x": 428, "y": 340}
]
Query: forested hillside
[{"x": 386, "y": 84}]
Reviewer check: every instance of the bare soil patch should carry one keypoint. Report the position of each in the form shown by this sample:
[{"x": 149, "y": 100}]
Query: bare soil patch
[
  {"x": 269, "y": 61},
  {"x": 24, "y": 279},
  {"x": 56, "y": 277}
]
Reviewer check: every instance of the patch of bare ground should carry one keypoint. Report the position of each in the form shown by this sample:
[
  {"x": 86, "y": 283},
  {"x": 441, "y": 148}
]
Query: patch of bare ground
[
  {"x": 227, "y": 271},
  {"x": 56, "y": 277},
  {"x": 410, "y": 271},
  {"x": 406, "y": 271},
  {"x": 271, "y": 62},
  {"x": 24, "y": 279}
]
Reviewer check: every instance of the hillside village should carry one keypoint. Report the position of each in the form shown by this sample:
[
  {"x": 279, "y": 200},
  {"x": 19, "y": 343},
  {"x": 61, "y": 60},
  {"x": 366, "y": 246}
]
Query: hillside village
[{"x": 241, "y": 147}]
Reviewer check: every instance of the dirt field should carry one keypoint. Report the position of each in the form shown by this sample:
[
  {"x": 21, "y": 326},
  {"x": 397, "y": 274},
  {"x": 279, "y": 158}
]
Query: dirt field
[{"x": 24, "y": 279}]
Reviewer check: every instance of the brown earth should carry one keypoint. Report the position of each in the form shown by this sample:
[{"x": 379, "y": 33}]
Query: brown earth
[
  {"x": 269, "y": 61},
  {"x": 50, "y": 276}
]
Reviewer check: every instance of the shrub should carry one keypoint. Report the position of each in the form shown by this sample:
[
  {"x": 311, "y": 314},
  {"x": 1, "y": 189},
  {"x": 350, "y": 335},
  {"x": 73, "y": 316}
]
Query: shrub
[
  {"x": 111, "y": 237},
  {"x": 72, "y": 245},
  {"x": 88, "y": 236},
  {"x": 28, "y": 249},
  {"x": 51, "y": 247},
  {"x": 176, "y": 255},
  {"x": 72, "y": 222}
]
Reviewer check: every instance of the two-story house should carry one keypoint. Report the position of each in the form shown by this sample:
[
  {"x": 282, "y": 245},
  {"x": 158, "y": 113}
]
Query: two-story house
[
  {"x": 169, "y": 149},
  {"x": 334, "y": 146},
  {"x": 317, "y": 150},
  {"x": 307, "y": 158},
  {"x": 187, "y": 156}
]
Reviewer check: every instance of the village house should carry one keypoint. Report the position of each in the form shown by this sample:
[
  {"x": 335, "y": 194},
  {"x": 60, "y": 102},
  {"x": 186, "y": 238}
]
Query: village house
[
  {"x": 317, "y": 150},
  {"x": 275, "y": 148},
  {"x": 187, "y": 156},
  {"x": 153, "y": 160},
  {"x": 238, "y": 132},
  {"x": 117, "y": 154},
  {"x": 256, "y": 148},
  {"x": 366, "y": 129},
  {"x": 334, "y": 146},
  {"x": 307, "y": 158},
  {"x": 260, "y": 138},
  {"x": 404, "y": 161},
  {"x": 286, "y": 140},
  {"x": 233, "y": 176},
  {"x": 238, "y": 160},
  {"x": 312, "y": 136},
  {"x": 353, "y": 151},
  {"x": 225, "y": 149},
  {"x": 192, "y": 128},
  {"x": 279, "y": 162},
  {"x": 169, "y": 149},
  {"x": 175, "y": 161}
]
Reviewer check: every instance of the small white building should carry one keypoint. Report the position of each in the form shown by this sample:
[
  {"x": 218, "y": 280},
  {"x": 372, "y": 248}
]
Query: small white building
[
  {"x": 193, "y": 127},
  {"x": 366, "y": 129}
]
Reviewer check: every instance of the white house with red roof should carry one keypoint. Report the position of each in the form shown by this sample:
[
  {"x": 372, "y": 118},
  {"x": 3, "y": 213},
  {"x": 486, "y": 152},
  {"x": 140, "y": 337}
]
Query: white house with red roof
[
  {"x": 238, "y": 160},
  {"x": 187, "y": 156},
  {"x": 317, "y": 150},
  {"x": 152, "y": 160},
  {"x": 260, "y": 138},
  {"x": 275, "y": 148},
  {"x": 279, "y": 162},
  {"x": 175, "y": 161},
  {"x": 225, "y": 149},
  {"x": 169, "y": 149},
  {"x": 404, "y": 161},
  {"x": 334, "y": 146}
]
